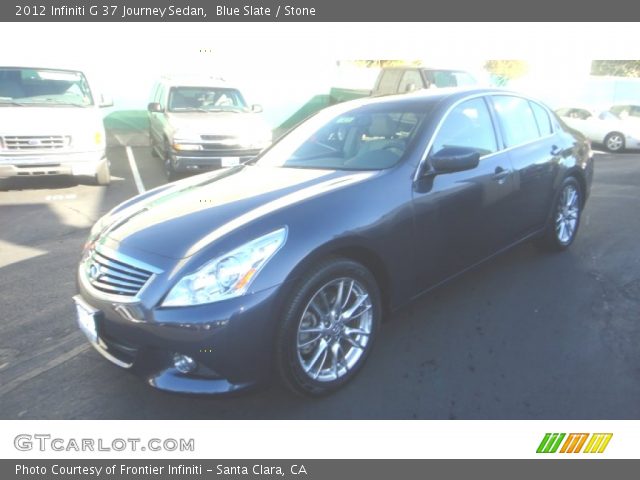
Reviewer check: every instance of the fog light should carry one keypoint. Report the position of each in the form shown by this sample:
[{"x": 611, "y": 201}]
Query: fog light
[{"x": 184, "y": 363}]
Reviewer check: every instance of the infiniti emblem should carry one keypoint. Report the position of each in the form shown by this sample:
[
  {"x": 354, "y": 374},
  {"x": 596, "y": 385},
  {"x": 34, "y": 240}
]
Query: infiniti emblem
[{"x": 94, "y": 271}]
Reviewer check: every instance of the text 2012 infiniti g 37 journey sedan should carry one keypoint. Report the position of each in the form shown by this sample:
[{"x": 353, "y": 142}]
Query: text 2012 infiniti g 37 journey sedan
[{"x": 284, "y": 268}]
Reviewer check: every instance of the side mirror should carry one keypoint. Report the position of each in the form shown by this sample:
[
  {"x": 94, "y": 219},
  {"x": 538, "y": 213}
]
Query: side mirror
[
  {"x": 105, "y": 101},
  {"x": 454, "y": 159},
  {"x": 256, "y": 108},
  {"x": 154, "y": 107}
]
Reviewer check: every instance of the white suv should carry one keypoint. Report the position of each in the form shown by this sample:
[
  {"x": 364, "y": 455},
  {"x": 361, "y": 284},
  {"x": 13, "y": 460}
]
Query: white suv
[{"x": 199, "y": 124}]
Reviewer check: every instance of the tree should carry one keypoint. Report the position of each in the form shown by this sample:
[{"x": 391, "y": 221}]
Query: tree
[
  {"x": 506, "y": 69},
  {"x": 617, "y": 68}
]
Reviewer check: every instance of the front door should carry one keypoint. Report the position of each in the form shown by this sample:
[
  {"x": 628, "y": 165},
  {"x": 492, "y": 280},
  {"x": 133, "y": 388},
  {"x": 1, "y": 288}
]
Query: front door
[{"x": 460, "y": 216}]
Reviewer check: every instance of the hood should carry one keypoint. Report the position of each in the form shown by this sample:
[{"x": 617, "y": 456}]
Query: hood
[
  {"x": 216, "y": 123},
  {"x": 179, "y": 221},
  {"x": 56, "y": 120}
]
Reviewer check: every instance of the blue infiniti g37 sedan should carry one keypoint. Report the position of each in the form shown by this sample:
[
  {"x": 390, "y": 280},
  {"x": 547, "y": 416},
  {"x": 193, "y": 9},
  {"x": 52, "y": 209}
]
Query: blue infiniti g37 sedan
[{"x": 284, "y": 267}]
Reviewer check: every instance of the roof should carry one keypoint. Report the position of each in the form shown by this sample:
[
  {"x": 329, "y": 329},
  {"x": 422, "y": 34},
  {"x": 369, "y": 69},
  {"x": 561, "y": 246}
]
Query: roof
[{"x": 445, "y": 96}]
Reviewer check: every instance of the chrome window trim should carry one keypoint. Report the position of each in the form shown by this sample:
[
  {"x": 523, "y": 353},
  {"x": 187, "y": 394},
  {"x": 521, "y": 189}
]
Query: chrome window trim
[{"x": 425, "y": 154}]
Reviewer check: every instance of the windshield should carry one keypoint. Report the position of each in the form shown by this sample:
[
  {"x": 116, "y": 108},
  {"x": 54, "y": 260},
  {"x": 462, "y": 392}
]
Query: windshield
[
  {"x": 368, "y": 138},
  {"x": 28, "y": 86},
  {"x": 206, "y": 99}
]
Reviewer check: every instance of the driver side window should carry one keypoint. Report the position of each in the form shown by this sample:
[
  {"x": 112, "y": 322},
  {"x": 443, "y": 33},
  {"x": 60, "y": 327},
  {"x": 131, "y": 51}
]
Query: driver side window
[{"x": 467, "y": 125}]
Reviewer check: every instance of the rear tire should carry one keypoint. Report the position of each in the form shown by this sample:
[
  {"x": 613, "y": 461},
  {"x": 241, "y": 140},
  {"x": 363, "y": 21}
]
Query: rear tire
[
  {"x": 614, "y": 142},
  {"x": 328, "y": 327},
  {"x": 563, "y": 225}
]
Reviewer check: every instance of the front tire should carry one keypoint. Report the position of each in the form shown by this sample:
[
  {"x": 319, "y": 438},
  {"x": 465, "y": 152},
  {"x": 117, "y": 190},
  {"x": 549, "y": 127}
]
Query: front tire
[
  {"x": 154, "y": 151},
  {"x": 103, "y": 175},
  {"x": 565, "y": 217},
  {"x": 169, "y": 170},
  {"x": 328, "y": 327},
  {"x": 614, "y": 142}
]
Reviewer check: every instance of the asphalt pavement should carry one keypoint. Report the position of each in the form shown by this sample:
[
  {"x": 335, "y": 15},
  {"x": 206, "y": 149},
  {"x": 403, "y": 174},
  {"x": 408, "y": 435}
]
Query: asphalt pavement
[{"x": 528, "y": 335}]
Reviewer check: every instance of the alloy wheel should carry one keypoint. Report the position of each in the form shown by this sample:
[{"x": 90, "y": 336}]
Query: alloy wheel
[
  {"x": 567, "y": 214},
  {"x": 334, "y": 329},
  {"x": 614, "y": 142}
]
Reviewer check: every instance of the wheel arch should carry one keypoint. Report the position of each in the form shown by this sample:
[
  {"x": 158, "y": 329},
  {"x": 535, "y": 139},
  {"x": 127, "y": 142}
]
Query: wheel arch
[
  {"x": 359, "y": 253},
  {"x": 578, "y": 174}
]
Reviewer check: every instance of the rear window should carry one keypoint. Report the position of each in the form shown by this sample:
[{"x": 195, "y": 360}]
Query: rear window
[
  {"x": 542, "y": 119},
  {"x": 449, "y": 78},
  {"x": 518, "y": 121}
]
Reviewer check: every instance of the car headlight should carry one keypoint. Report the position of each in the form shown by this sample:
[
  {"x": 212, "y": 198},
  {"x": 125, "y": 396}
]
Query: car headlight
[
  {"x": 181, "y": 146},
  {"x": 227, "y": 276}
]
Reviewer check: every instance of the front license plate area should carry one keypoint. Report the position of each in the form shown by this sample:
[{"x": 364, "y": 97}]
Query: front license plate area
[
  {"x": 86, "y": 316},
  {"x": 229, "y": 161}
]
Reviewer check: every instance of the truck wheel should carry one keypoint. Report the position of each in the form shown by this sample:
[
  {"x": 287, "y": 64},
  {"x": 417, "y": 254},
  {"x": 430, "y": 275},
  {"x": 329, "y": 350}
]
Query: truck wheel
[{"x": 103, "y": 175}]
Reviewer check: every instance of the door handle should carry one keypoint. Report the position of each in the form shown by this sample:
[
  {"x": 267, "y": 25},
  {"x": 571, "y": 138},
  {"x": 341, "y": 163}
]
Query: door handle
[
  {"x": 500, "y": 174},
  {"x": 555, "y": 150}
]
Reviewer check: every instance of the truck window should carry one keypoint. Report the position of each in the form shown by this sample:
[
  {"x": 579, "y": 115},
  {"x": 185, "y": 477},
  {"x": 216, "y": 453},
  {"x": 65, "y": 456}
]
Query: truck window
[
  {"x": 411, "y": 80},
  {"x": 388, "y": 82}
]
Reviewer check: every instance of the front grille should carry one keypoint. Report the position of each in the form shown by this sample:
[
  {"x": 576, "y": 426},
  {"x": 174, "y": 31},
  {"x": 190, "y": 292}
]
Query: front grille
[
  {"x": 214, "y": 151},
  {"x": 39, "y": 142},
  {"x": 221, "y": 142},
  {"x": 217, "y": 138},
  {"x": 114, "y": 276}
]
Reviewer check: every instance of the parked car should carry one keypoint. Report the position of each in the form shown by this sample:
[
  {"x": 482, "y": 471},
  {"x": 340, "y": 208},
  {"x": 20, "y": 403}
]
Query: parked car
[
  {"x": 285, "y": 266},
  {"x": 51, "y": 124},
  {"x": 631, "y": 112},
  {"x": 200, "y": 124},
  {"x": 393, "y": 80},
  {"x": 603, "y": 127}
]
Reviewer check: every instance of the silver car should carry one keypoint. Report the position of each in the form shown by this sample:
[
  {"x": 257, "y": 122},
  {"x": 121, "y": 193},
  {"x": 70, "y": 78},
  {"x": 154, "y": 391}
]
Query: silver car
[{"x": 200, "y": 124}]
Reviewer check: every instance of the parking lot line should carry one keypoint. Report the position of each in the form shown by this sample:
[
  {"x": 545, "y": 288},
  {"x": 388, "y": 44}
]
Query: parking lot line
[
  {"x": 60, "y": 359},
  {"x": 134, "y": 169}
]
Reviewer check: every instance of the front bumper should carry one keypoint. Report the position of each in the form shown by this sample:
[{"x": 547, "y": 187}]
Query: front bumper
[
  {"x": 69, "y": 163},
  {"x": 204, "y": 160},
  {"x": 231, "y": 341}
]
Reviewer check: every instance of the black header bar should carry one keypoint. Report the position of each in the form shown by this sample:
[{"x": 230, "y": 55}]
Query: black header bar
[{"x": 309, "y": 11}]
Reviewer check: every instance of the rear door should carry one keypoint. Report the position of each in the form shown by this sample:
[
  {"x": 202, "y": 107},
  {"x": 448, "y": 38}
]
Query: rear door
[{"x": 535, "y": 152}]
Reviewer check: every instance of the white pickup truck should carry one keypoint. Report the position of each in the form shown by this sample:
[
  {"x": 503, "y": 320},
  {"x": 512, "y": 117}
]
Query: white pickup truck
[{"x": 51, "y": 124}]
